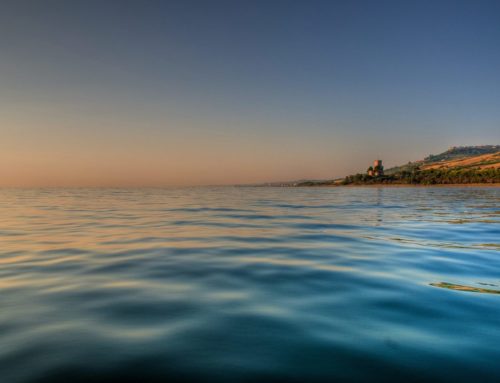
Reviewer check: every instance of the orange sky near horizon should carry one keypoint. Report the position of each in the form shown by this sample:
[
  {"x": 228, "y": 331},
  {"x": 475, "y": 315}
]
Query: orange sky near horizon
[{"x": 177, "y": 93}]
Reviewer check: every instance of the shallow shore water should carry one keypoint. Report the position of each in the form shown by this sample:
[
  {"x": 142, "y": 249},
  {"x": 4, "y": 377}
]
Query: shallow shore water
[{"x": 241, "y": 284}]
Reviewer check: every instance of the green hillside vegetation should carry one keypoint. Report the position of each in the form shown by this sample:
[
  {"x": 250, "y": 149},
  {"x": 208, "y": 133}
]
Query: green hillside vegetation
[{"x": 429, "y": 177}]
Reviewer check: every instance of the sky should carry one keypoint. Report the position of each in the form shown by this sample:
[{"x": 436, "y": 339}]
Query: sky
[{"x": 164, "y": 93}]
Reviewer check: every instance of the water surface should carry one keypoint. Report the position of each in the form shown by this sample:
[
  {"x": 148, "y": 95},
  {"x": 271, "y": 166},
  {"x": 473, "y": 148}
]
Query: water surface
[{"x": 249, "y": 284}]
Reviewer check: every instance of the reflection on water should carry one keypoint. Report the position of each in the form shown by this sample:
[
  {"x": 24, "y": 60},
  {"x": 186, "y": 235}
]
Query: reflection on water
[
  {"x": 249, "y": 284},
  {"x": 472, "y": 289}
]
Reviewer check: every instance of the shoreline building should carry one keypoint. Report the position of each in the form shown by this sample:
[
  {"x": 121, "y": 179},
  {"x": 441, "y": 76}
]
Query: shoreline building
[{"x": 376, "y": 170}]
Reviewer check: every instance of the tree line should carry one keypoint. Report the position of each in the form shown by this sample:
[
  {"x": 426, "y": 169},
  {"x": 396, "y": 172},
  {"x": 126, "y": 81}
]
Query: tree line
[{"x": 429, "y": 177}]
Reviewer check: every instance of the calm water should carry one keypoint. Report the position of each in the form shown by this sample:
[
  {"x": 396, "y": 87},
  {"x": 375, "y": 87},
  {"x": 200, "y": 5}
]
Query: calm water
[{"x": 249, "y": 284}]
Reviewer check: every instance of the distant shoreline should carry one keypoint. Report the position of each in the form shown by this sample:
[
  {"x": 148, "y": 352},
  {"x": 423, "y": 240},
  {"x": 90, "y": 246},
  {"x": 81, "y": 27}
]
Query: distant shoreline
[
  {"x": 403, "y": 185},
  {"x": 464, "y": 166}
]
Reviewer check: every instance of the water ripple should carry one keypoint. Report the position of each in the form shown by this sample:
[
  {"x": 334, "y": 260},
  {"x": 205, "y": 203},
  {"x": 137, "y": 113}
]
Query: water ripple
[{"x": 249, "y": 284}]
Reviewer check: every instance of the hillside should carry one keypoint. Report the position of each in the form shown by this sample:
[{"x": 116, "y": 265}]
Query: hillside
[
  {"x": 483, "y": 161},
  {"x": 480, "y": 157},
  {"x": 460, "y": 152},
  {"x": 457, "y": 165}
]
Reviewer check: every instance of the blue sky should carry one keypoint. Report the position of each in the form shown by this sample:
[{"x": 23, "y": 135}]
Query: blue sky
[{"x": 159, "y": 93}]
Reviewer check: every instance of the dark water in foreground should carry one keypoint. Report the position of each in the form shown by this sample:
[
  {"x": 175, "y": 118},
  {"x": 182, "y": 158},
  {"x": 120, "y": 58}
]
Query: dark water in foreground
[{"x": 249, "y": 284}]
